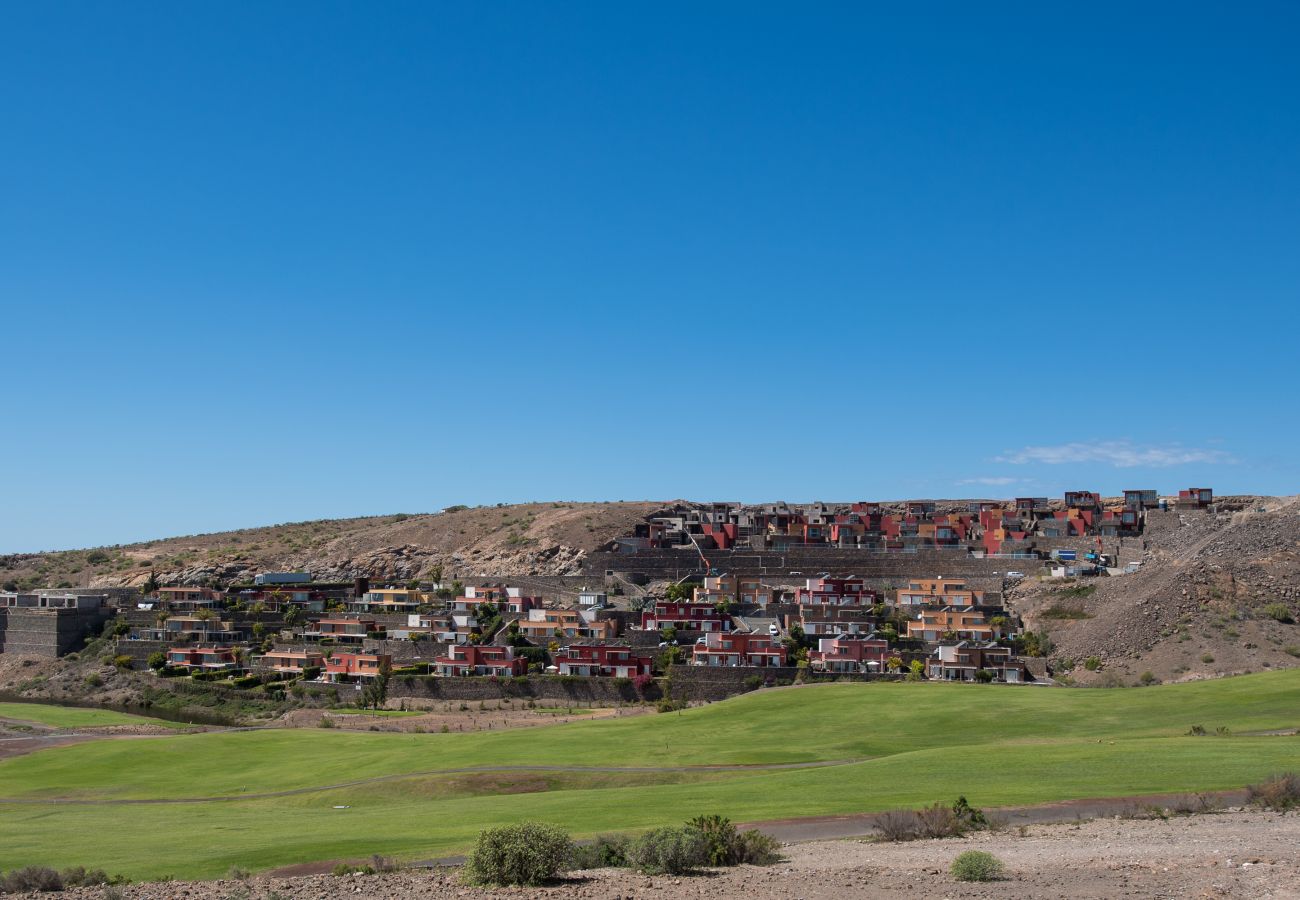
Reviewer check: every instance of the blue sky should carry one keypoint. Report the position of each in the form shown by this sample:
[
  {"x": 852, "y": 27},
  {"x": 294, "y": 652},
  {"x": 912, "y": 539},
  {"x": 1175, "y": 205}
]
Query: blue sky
[{"x": 267, "y": 262}]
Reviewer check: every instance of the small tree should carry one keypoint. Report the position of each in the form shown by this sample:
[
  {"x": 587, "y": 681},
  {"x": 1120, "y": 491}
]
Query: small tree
[
  {"x": 915, "y": 670},
  {"x": 157, "y": 661},
  {"x": 676, "y": 593}
]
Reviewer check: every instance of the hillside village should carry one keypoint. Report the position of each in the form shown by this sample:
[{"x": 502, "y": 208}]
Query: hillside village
[{"x": 715, "y": 596}]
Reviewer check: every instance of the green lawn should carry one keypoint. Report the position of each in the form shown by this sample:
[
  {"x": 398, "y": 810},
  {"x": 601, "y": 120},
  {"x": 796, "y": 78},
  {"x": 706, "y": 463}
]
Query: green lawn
[
  {"x": 75, "y": 717},
  {"x": 918, "y": 743}
]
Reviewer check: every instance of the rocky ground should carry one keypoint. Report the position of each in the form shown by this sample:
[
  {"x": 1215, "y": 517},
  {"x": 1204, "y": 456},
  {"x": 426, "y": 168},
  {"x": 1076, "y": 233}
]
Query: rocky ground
[
  {"x": 1237, "y": 853},
  {"x": 1198, "y": 607},
  {"x": 520, "y": 539}
]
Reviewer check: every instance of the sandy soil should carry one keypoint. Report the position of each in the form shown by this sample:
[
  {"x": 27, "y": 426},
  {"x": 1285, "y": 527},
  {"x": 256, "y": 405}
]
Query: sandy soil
[
  {"x": 1231, "y": 854},
  {"x": 489, "y": 716}
]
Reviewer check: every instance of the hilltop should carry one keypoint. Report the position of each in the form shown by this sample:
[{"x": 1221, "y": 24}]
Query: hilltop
[{"x": 519, "y": 539}]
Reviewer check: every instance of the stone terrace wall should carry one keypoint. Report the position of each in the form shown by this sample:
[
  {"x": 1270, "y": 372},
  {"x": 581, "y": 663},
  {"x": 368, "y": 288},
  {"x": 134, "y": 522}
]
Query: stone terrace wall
[
  {"x": 675, "y": 564},
  {"x": 48, "y": 632}
]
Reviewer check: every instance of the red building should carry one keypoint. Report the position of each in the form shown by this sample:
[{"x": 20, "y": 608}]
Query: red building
[
  {"x": 612, "y": 660},
  {"x": 355, "y": 666},
  {"x": 850, "y": 655},
  {"x": 841, "y": 592},
  {"x": 1195, "y": 498},
  {"x": 472, "y": 659},
  {"x": 738, "y": 648}
]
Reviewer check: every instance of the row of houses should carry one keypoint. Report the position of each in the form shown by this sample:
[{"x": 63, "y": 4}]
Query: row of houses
[{"x": 986, "y": 524}]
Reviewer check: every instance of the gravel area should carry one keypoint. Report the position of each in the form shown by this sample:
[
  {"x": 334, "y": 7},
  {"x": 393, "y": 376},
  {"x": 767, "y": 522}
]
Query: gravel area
[{"x": 1236, "y": 853}]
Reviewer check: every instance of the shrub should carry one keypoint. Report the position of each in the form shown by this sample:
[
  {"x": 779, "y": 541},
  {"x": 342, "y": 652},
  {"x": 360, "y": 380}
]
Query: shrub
[
  {"x": 80, "y": 876},
  {"x": 31, "y": 878},
  {"x": 238, "y": 874},
  {"x": 94, "y": 680},
  {"x": 1280, "y": 792},
  {"x": 1279, "y": 612},
  {"x": 976, "y": 865},
  {"x": 605, "y": 852},
  {"x": 1207, "y": 658},
  {"x": 529, "y": 853},
  {"x": 345, "y": 869},
  {"x": 1148, "y": 678},
  {"x": 122, "y": 661},
  {"x": 756, "y": 848},
  {"x": 719, "y": 837},
  {"x": 669, "y": 851},
  {"x": 939, "y": 821},
  {"x": 1092, "y": 663},
  {"x": 898, "y": 825},
  {"x": 157, "y": 661}
]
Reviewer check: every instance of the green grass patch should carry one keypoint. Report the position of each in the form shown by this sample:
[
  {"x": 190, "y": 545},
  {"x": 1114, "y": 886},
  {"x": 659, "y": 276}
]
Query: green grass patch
[
  {"x": 1031, "y": 745},
  {"x": 75, "y": 717}
]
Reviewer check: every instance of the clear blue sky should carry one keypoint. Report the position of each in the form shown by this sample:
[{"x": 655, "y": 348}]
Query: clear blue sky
[{"x": 266, "y": 262}]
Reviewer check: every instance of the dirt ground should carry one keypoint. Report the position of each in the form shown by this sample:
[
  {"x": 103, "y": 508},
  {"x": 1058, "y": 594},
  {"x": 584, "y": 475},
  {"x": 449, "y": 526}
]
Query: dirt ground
[
  {"x": 492, "y": 715},
  {"x": 1239, "y": 854}
]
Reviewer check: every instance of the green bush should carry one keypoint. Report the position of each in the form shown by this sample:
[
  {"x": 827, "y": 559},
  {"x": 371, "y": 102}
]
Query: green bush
[
  {"x": 1279, "y": 612},
  {"x": 669, "y": 851},
  {"x": 122, "y": 661},
  {"x": 976, "y": 865},
  {"x": 529, "y": 853},
  {"x": 719, "y": 838},
  {"x": 94, "y": 680},
  {"x": 30, "y": 879},
  {"x": 605, "y": 852},
  {"x": 756, "y": 848},
  {"x": 157, "y": 661},
  {"x": 1148, "y": 678},
  {"x": 1092, "y": 663}
]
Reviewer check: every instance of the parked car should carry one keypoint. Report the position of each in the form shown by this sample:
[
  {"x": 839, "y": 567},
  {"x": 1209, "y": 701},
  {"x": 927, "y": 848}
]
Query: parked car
[{"x": 1015, "y": 575}]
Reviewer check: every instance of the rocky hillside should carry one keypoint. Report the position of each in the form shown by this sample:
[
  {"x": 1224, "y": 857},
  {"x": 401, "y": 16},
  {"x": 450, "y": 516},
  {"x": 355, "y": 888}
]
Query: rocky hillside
[
  {"x": 524, "y": 539},
  {"x": 1216, "y": 594}
]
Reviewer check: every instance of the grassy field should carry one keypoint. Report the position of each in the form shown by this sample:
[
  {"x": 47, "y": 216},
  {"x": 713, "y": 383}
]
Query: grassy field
[
  {"x": 903, "y": 745},
  {"x": 74, "y": 717}
]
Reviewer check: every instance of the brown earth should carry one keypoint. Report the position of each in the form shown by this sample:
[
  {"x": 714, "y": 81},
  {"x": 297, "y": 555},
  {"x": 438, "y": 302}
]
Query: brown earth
[
  {"x": 1199, "y": 606},
  {"x": 1237, "y": 854},
  {"x": 522, "y": 539}
]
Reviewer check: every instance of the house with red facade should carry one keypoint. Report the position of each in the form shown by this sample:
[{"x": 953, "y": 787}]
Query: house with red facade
[
  {"x": 355, "y": 666},
  {"x": 739, "y": 648},
  {"x": 612, "y": 660},
  {"x": 1195, "y": 498},
  {"x": 849, "y": 655},
  {"x": 480, "y": 659},
  {"x": 837, "y": 592},
  {"x": 203, "y": 659}
]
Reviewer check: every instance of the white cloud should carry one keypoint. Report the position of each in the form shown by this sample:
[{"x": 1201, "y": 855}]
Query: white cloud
[
  {"x": 990, "y": 480},
  {"x": 1121, "y": 454}
]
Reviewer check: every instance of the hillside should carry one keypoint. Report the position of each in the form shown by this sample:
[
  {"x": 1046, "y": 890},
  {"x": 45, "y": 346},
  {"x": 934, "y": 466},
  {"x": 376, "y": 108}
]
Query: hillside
[
  {"x": 1206, "y": 601},
  {"x": 522, "y": 539}
]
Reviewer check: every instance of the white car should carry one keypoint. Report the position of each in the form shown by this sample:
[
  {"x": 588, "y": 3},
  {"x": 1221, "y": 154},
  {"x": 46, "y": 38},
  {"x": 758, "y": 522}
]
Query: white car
[
  {"x": 1015, "y": 574},
  {"x": 773, "y": 630}
]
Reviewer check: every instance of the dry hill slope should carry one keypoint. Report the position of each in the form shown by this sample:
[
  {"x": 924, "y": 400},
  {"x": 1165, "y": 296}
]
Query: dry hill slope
[
  {"x": 523, "y": 539},
  {"x": 1207, "y": 599}
]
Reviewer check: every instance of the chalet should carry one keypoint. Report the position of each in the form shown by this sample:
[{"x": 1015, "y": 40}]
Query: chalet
[
  {"x": 505, "y": 599},
  {"x": 480, "y": 660},
  {"x": 960, "y": 662},
  {"x": 849, "y": 655},
  {"x": 1082, "y": 500},
  {"x": 950, "y": 622},
  {"x": 938, "y": 592},
  {"x": 389, "y": 600},
  {"x": 356, "y": 666},
  {"x": 208, "y": 629},
  {"x": 685, "y": 617},
  {"x": 838, "y": 592},
  {"x": 343, "y": 630},
  {"x": 544, "y": 624},
  {"x": 290, "y": 662},
  {"x": 203, "y": 659},
  {"x": 739, "y": 649},
  {"x": 602, "y": 660},
  {"x": 1141, "y": 499},
  {"x": 439, "y": 627},
  {"x": 188, "y": 598},
  {"x": 1195, "y": 498},
  {"x": 829, "y": 621}
]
